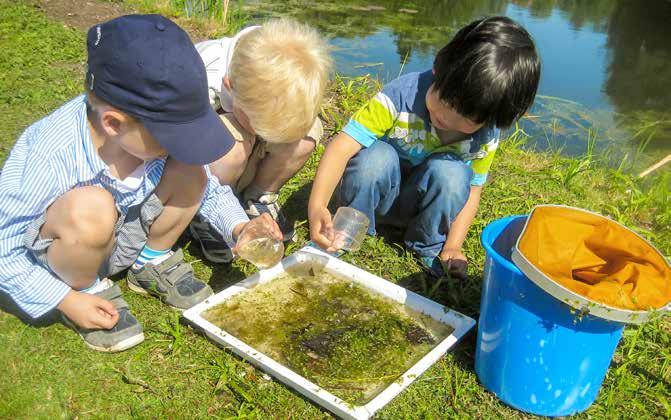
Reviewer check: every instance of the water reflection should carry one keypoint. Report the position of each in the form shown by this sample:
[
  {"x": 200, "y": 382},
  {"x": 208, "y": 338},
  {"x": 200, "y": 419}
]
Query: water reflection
[
  {"x": 607, "y": 63},
  {"x": 639, "y": 75}
]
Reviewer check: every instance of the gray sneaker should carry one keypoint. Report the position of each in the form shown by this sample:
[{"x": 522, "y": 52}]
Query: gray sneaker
[
  {"x": 124, "y": 335},
  {"x": 172, "y": 281}
]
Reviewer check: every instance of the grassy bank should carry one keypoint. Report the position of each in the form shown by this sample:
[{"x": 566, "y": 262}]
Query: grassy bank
[
  {"x": 203, "y": 18},
  {"x": 176, "y": 372}
]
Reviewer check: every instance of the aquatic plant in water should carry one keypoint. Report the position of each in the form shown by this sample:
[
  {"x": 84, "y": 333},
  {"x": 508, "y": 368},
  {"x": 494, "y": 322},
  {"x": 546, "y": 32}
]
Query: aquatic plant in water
[{"x": 332, "y": 331}]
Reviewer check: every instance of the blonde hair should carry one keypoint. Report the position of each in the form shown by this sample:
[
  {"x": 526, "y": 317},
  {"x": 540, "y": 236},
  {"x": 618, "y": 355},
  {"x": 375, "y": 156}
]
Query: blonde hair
[{"x": 278, "y": 76}]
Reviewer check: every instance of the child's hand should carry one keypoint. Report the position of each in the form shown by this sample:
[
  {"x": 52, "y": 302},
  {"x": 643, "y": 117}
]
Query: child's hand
[
  {"x": 261, "y": 226},
  {"x": 89, "y": 311},
  {"x": 321, "y": 228},
  {"x": 454, "y": 263}
]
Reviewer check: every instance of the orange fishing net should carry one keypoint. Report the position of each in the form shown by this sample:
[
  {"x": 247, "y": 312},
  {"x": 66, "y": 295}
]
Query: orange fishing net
[{"x": 596, "y": 258}]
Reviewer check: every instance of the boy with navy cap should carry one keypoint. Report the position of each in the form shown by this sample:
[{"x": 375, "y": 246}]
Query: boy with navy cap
[{"x": 110, "y": 180}]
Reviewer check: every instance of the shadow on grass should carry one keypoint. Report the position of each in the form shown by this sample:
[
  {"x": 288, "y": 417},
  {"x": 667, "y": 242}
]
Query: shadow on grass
[
  {"x": 7, "y": 305},
  {"x": 296, "y": 205},
  {"x": 223, "y": 275},
  {"x": 461, "y": 295}
]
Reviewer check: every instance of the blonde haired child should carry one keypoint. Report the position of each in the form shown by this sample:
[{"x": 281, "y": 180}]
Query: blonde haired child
[
  {"x": 277, "y": 75},
  {"x": 268, "y": 82}
]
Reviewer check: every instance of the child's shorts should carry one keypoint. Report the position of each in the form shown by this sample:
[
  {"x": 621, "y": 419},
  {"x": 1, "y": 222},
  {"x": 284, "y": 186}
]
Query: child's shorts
[
  {"x": 131, "y": 232},
  {"x": 261, "y": 147}
]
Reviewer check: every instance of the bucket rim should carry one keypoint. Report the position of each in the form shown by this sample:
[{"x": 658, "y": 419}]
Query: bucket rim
[
  {"x": 487, "y": 239},
  {"x": 581, "y": 303}
]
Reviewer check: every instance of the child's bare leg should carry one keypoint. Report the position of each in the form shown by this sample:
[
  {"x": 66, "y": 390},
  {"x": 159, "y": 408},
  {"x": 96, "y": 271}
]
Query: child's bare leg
[
  {"x": 231, "y": 166},
  {"x": 281, "y": 163},
  {"x": 81, "y": 223},
  {"x": 181, "y": 190}
]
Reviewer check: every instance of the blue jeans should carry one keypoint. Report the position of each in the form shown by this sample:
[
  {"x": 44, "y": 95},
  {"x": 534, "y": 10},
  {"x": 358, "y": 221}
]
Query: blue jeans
[{"x": 424, "y": 199}]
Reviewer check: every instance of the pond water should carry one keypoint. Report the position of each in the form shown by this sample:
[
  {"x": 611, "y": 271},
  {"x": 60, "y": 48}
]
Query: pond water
[{"x": 606, "y": 63}]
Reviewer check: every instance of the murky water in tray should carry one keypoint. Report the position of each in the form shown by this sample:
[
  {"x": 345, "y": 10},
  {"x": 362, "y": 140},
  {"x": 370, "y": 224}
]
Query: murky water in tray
[{"x": 335, "y": 333}]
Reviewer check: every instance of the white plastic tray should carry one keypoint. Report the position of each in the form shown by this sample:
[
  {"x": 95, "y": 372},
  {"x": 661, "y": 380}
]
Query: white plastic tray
[{"x": 459, "y": 322}]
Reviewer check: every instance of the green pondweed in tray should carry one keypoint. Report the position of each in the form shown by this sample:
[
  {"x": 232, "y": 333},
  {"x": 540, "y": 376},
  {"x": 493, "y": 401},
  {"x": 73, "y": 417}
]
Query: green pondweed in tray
[{"x": 332, "y": 331}]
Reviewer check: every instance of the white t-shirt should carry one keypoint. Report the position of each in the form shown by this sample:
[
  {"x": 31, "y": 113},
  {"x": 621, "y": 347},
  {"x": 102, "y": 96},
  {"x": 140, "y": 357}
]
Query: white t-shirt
[
  {"x": 217, "y": 55},
  {"x": 133, "y": 181}
]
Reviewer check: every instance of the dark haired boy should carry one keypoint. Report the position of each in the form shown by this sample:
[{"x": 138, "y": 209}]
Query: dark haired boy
[
  {"x": 416, "y": 156},
  {"x": 110, "y": 180}
]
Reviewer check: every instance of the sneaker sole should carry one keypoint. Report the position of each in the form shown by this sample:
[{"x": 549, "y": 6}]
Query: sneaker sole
[
  {"x": 207, "y": 255},
  {"x": 121, "y": 346},
  {"x": 118, "y": 347}
]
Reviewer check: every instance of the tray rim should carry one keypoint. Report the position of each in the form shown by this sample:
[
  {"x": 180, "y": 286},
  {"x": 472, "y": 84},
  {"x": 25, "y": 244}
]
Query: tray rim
[{"x": 461, "y": 324}]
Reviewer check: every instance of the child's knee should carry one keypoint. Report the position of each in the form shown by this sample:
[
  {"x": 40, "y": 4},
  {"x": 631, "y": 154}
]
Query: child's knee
[
  {"x": 377, "y": 162},
  {"x": 453, "y": 178},
  {"x": 84, "y": 215},
  {"x": 304, "y": 148},
  {"x": 376, "y": 171},
  {"x": 184, "y": 179},
  {"x": 230, "y": 167},
  {"x": 296, "y": 152},
  {"x": 239, "y": 154}
]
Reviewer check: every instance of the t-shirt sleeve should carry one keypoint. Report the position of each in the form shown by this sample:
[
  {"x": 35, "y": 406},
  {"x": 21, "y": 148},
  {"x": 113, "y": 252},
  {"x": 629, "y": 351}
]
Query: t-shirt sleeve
[
  {"x": 481, "y": 165},
  {"x": 373, "y": 120},
  {"x": 211, "y": 53}
]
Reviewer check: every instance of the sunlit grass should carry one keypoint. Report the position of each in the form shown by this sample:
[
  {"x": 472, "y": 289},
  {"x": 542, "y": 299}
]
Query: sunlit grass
[
  {"x": 346, "y": 94},
  {"x": 178, "y": 373},
  {"x": 205, "y": 18}
]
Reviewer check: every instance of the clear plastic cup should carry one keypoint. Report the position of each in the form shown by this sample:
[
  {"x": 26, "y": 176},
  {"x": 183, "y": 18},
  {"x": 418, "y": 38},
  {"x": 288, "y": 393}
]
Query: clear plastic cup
[
  {"x": 259, "y": 247},
  {"x": 349, "y": 228}
]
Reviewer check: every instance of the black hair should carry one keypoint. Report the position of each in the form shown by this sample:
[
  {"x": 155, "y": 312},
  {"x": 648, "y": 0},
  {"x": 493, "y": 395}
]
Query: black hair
[
  {"x": 91, "y": 113},
  {"x": 489, "y": 71}
]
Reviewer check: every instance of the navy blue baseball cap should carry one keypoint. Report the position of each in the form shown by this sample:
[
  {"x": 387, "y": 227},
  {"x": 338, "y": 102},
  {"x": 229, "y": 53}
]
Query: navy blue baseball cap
[{"x": 146, "y": 66}]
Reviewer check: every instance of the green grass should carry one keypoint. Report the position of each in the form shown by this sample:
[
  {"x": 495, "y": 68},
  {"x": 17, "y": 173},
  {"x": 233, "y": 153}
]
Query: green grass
[
  {"x": 202, "y": 18},
  {"x": 41, "y": 66},
  {"x": 48, "y": 372}
]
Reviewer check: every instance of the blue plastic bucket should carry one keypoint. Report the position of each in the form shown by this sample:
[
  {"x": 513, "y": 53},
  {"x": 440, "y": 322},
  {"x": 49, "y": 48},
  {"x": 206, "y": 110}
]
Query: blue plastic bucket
[{"x": 533, "y": 350}]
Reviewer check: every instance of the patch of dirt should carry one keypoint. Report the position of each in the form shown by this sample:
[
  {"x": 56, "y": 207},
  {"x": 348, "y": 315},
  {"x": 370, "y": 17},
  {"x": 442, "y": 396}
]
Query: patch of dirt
[{"x": 82, "y": 14}]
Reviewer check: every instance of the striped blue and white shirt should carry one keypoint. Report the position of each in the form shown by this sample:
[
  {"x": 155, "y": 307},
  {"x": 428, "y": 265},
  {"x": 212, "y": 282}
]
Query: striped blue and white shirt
[{"x": 53, "y": 156}]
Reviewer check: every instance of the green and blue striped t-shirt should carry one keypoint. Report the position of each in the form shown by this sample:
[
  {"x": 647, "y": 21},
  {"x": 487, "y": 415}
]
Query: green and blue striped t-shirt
[{"x": 398, "y": 115}]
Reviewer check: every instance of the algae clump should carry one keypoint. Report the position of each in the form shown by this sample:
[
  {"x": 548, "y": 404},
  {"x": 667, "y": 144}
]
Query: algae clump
[{"x": 330, "y": 330}]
